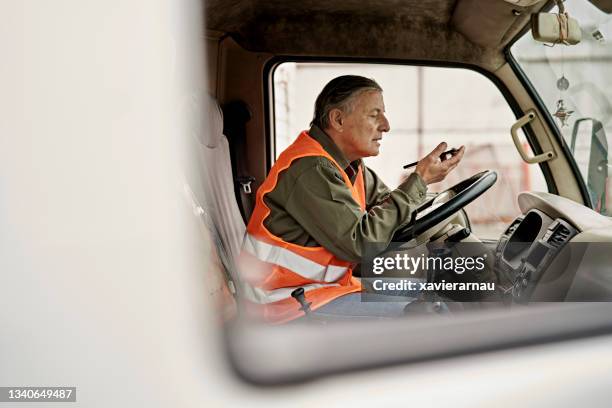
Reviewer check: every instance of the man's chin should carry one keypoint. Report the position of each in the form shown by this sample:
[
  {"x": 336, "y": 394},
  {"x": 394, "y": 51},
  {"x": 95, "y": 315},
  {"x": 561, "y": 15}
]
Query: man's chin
[{"x": 371, "y": 153}]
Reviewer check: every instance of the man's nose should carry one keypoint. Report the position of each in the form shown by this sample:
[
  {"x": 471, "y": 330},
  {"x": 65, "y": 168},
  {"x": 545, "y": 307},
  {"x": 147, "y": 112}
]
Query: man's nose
[{"x": 384, "y": 126}]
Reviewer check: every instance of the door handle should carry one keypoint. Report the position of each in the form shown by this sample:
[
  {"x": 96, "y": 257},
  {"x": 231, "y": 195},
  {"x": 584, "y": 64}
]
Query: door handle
[{"x": 522, "y": 121}]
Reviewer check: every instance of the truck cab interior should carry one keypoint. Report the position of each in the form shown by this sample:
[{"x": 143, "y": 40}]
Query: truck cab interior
[
  {"x": 135, "y": 135},
  {"x": 544, "y": 157}
]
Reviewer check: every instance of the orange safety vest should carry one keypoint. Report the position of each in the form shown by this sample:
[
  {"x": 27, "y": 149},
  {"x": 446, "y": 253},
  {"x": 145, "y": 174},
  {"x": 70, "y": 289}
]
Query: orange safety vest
[{"x": 272, "y": 268}]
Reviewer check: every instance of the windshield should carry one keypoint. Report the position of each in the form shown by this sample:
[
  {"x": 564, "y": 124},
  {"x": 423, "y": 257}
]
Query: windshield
[{"x": 575, "y": 84}]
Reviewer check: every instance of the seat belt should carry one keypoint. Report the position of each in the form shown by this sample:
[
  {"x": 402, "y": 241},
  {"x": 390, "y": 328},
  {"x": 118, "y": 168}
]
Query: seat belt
[{"x": 236, "y": 114}]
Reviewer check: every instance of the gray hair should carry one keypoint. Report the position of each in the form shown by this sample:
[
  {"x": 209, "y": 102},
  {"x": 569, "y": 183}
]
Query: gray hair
[{"x": 340, "y": 93}]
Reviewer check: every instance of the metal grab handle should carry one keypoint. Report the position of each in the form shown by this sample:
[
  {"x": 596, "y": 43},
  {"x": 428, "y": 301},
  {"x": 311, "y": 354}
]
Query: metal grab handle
[{"x": 517, "y": 143}]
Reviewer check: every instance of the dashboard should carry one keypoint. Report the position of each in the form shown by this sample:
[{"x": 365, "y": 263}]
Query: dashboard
[
  {"x": 557, "y": 250},
  {"x": 527, "y": 248}
]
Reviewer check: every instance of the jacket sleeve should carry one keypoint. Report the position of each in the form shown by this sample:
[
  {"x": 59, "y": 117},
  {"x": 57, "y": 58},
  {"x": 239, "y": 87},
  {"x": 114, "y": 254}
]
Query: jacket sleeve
[{"x": 322, "y": 204}]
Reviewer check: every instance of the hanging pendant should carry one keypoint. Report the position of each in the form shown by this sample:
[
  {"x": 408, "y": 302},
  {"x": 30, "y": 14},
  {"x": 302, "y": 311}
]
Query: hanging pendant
[
  {"x": 562, "y": 113},
  {"x": 563, "y": 84}
]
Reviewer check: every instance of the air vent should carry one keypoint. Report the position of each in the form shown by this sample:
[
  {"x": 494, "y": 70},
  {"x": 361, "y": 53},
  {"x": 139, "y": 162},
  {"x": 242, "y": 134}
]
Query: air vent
[
  {"x": 513, "y": 226},
  {"x": 560, "y": 236}
]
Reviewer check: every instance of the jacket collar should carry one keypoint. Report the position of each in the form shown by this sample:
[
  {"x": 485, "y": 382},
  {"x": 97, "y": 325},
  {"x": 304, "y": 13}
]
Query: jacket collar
[{"x": 332, "y": 148}]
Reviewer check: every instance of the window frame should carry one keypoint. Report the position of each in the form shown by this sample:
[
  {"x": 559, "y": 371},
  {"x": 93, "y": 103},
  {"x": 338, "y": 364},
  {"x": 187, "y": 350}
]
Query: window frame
[
  {"x": 269, "y": 98},
  {"x": 258, "y": 353},
  {"x": 547, "y": 117}
]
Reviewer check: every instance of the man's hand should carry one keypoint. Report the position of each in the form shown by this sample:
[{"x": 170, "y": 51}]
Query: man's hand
[{"x": 432, "y": 169}]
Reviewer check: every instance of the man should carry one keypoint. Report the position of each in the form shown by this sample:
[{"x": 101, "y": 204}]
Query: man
[{"x": 320, "y": 207}]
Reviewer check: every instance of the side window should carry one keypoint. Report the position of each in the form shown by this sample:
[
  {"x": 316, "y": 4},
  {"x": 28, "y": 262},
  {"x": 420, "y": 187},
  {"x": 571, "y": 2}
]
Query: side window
[{"x": 425, "y": 106}]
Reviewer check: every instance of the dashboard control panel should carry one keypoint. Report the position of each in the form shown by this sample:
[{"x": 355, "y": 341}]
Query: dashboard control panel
[{"x": 527, "y": 248}]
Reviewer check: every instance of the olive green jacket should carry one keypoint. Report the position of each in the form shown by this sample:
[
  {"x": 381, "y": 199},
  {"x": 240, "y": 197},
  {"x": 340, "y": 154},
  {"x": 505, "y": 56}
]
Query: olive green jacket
[{"x": 311, "y": 205}]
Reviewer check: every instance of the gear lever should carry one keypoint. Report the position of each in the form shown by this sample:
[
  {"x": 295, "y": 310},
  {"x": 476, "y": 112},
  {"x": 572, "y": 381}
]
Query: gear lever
[{"x": 298, "y": 295}]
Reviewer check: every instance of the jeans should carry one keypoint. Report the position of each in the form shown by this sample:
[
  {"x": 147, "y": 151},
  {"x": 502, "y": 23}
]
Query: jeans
[{"x": 351, "y": 306}]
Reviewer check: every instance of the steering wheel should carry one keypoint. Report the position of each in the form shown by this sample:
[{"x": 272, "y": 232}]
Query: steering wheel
[{"x": 444, "y": 205}]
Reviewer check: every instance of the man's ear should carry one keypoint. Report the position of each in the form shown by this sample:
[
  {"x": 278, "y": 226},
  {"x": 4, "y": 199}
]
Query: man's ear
[{"x": 336, "y": 117}]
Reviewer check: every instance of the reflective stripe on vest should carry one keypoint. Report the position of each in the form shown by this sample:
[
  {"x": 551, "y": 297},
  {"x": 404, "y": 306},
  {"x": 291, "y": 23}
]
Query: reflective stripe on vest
[
  {"x": 272, "y": 268},
  {"x": 259, "y": 295},
  {"x": 290, "y": 260}
]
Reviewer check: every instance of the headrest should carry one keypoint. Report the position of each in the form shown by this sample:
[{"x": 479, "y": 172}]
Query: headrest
[
  {"x": 214, "y": 120},
  {"x": 203, "y": 118}
]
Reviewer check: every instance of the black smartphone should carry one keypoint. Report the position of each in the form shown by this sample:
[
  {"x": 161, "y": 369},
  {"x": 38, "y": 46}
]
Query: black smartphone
[{"x": 443, "y": 156}]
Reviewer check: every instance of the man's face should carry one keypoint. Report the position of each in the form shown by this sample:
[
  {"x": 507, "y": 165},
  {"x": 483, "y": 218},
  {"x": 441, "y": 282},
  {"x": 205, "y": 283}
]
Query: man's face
[{"x": 362, "y": 129}]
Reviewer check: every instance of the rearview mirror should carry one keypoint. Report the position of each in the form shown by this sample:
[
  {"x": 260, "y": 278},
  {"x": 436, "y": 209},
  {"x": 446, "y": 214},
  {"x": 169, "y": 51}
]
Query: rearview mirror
[
  {"x": 589, "y": 146},
  {"x": 555, "y": 28}
]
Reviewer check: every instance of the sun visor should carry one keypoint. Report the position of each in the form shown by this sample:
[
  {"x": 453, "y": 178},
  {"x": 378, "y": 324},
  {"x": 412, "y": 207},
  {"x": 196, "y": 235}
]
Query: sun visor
[
  {"x": 603, "y": 5},
  {"x": 493, "y": 23}
]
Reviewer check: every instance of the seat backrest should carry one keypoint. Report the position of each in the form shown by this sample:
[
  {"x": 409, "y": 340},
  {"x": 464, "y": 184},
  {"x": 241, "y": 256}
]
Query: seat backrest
[
  {"x": 211, "y": 186},
  {"x": 221, "y": 197}
]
